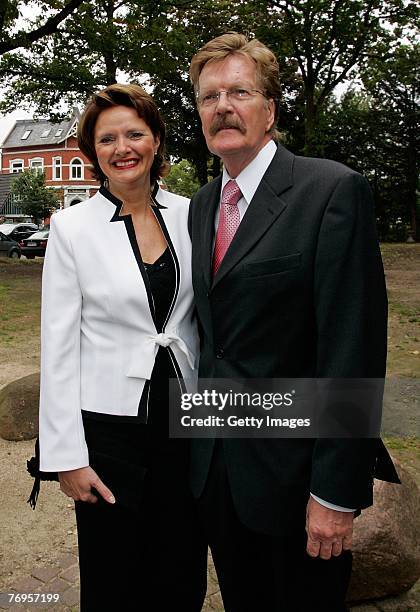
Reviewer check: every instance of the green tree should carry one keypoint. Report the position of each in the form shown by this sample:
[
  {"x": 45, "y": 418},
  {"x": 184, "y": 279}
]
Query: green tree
[
  {"x": 73, "y": 62},
  {"x": 35, "y": 199},
  {"x": 362, "y": 134},
  {"x": 392, "y": 80},
  {"x": 182, "y": 179},
  {"x": 329, "y": 40},
  {"x": 138, "y": 37},
  {"x": 319, "y": 44}
]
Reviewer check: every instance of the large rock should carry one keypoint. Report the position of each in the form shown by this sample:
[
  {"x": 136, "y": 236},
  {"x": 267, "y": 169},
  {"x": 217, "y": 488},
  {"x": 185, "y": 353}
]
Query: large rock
[
  {"x": 386, "y": 546},
  {"x": 19, "y": 402}
]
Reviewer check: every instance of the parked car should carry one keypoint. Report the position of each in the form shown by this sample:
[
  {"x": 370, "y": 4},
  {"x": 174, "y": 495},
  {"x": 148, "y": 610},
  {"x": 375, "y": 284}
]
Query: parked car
[
  {"x": 18, "y": 231},
  {"x": 8, "y": 247},
  {"x": 35, "y": 245}
]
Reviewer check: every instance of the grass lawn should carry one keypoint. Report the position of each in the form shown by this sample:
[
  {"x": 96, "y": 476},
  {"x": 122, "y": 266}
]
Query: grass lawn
[
  {"x": 20, "y": 300},
  {"x": 402, "y": 269}
]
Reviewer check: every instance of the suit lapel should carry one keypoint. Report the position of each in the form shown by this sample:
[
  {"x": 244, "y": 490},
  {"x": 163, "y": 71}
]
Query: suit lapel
[
  {"x": 206, "y": 247},
  {"x": 265, "y": 207}
]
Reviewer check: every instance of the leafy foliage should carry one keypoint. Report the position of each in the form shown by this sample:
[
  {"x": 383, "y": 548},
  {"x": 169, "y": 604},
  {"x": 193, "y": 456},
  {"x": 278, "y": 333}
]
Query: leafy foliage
[
  {"x": 182, "y": 179},
  {"x": 392, "y": 80},
  {"x": 329, "y": 40},
  {"x": 34, "y": 198},
  {"x": 319, "y": 44}
]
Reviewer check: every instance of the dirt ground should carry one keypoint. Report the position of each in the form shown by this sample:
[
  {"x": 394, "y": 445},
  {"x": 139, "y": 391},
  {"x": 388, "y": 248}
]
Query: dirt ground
[{"x": 29, "y": 538}]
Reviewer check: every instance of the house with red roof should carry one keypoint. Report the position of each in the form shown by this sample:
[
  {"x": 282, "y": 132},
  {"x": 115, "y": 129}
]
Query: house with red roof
[{"x": 43, "y": 146}]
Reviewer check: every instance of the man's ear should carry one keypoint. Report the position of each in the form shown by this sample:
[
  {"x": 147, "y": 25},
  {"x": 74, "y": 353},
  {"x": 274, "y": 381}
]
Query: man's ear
[{"x": 271, "y": 113}]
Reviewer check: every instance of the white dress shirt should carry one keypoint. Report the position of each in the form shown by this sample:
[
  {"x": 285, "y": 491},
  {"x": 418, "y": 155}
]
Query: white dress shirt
[{"x": 248, "y": 181}]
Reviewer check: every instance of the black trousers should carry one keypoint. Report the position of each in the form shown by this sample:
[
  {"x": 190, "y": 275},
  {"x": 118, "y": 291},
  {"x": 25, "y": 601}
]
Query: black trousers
[
  {"x": 262, "y": 573},
  {"x": 152, "y": 558},
  {"x": 147, "y": 552}
]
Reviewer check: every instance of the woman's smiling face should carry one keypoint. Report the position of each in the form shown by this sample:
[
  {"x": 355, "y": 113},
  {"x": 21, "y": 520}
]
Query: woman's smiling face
[{"x": 125, "y": 147}]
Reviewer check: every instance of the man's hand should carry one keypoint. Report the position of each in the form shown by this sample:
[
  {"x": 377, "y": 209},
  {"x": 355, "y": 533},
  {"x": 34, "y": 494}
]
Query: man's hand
[
  {"x": 329, "y": 531},
  {"x": 77, "y": 485}
]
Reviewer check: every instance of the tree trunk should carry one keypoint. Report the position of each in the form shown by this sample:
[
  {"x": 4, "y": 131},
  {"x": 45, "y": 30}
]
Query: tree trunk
[
  {"x": 311, "y": 112},
  {"x": 110, "y": 65},
  {"x": 111, "y": 68}
]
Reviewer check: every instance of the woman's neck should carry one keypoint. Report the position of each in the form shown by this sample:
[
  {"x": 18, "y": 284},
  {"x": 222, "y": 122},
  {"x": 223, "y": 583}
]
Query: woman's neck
[{"x": 135, "y": 198}]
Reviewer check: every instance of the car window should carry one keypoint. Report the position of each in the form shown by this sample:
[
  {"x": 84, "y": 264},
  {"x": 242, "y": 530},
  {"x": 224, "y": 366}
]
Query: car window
[
  {"x": 40, "y": 235},
  {"x": 7, "y": 228}
]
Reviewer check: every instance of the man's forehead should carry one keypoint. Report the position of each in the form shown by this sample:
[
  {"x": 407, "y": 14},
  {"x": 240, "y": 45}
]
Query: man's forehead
[{"x": 236, "y": 66}]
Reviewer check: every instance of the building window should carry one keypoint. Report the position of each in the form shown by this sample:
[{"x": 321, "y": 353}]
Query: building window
[
  {"x": 15, "y": 165},
  {"x": 45, "y": 133},
  {"x": 58, "y": 132},
  {"x": 37, "y": 165},
  {"x": 25, "y": 135},
  {"x": 57, "y": 168},
  {"x": 76, "y": 169}
]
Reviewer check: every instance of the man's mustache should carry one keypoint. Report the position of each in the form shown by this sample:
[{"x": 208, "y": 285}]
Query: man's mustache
[{"x": 224, "y": 123}]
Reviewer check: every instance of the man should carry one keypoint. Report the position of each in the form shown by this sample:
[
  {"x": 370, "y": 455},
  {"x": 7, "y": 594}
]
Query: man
[{"x": 288, "y": 282}]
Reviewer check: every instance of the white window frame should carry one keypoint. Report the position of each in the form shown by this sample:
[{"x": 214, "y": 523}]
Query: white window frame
[
  {"x": 76, "y": 162},
  {"x": 73, "y": 130},
  {"x": 37, "y": 164},
  {"x": 57, "y": 165},
  {"x": 13, "y": 162},
  {"x": 26, "y": 134}
]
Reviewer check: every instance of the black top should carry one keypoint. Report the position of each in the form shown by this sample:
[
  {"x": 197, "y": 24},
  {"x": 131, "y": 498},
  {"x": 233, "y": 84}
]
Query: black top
[{"x": 161, "y": 275}]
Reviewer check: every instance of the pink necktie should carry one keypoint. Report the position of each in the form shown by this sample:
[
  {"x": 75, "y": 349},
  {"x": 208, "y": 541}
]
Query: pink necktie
[{"x": 228, "y": 222}]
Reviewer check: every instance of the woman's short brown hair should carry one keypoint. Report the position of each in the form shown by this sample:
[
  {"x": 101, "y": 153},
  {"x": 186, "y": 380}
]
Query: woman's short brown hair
[
  {"x": 231, "y": 43},
  {"x": 132, "y": 96}
]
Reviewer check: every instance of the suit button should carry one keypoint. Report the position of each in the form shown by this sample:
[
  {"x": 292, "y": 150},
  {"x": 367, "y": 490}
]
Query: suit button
[{"x": 220, "y": 353}]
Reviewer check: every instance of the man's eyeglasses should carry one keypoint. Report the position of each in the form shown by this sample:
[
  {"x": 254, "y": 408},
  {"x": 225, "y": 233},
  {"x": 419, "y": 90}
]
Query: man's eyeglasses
[{"x": 235, "y": 94}]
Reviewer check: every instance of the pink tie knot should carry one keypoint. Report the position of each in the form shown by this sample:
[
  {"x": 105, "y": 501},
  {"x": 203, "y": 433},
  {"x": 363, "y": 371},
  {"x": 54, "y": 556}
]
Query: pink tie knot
[{"x": 231, "y": 193}]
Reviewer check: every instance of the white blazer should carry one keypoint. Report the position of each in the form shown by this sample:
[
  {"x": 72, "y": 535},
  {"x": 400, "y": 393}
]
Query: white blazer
[{"x": 98, "y": 335}]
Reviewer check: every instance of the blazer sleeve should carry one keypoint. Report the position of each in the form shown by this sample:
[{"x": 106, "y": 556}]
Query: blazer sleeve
[
  {"x": 351, "y": 321},
  {"x": 61, "y": 434}
]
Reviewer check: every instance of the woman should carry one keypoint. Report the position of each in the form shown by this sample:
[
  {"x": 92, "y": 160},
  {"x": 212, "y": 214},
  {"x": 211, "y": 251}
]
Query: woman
[{"x": 117, "y": 323}]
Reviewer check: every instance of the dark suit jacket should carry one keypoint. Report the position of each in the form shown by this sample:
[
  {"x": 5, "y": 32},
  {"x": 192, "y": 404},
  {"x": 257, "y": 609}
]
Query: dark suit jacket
[{"x": 300, "y": 293}]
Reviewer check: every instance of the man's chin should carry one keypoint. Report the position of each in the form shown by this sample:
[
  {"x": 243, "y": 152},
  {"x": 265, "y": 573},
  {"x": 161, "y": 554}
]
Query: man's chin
[{"x": 226, "y": 142}]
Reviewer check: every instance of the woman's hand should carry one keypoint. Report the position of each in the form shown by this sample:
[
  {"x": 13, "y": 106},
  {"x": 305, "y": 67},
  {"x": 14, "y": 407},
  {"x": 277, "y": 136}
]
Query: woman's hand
[{"x": 77, "y": 485}]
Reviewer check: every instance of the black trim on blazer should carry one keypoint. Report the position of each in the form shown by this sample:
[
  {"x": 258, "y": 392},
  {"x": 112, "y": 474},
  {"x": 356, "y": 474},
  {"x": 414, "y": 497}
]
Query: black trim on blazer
[
  {"x": 163, "y": 227},
  {"x": 129, "y": 226},
  {"x": 133, "y": 241},
  {"x": 118, "y": 203},
  {"x": 177, "y": 369},
  {"x": 153, "y": 195},
  {"x": 156, "y": 208}
]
